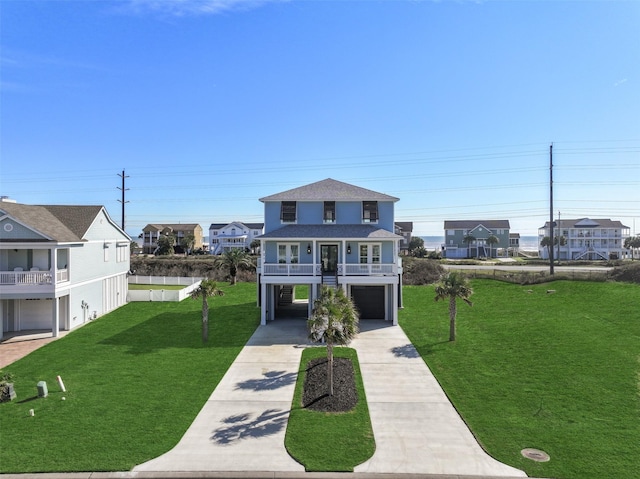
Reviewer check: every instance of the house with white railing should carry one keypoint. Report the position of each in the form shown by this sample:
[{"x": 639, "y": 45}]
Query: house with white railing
[
  {"x": 224, "y": 237},
  {"x": 585, "y": 239},
  {"x": 330, "y": 233},
  {"x": 60, "y": 266},
  {"x": 476, "y": 238}
]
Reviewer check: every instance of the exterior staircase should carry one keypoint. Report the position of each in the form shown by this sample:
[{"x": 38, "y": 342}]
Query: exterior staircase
[
  {"x": 286, "y": 295},
  {"x": 330, "y": 280}
]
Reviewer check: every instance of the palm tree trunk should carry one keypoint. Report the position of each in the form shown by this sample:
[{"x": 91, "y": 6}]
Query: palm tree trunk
[
  {"x": 452, "y": 318},
  {"x": 330, "y": 367},
  {"x": 205, "y": 319}
]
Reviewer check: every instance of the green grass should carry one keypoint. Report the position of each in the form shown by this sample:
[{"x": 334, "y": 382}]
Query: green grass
[
  {"x": 135, "y": 379},
  {"x": 557, "y": 372},
  {"x": 329, "y": 441},
  {"x": 302, "y": 291},
  {"x": 156, "y": 286}
]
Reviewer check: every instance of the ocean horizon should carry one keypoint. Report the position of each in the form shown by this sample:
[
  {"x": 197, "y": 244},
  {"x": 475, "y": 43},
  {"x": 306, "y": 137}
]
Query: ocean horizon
[{"x": 527, "y": 243}]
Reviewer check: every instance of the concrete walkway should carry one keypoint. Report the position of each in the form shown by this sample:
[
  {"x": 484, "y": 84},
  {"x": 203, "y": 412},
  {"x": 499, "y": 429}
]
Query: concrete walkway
[{"x": 243, "y": 424}]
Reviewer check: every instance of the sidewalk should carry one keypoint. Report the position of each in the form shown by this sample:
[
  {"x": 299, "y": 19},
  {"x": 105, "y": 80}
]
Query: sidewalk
[
  {"x": 15, "y": 346},
  {"x": 243, "y": 424}
]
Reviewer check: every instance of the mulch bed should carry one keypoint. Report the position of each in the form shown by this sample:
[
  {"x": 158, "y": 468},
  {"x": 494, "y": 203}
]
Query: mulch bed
[{"x": 316, "y": 386}]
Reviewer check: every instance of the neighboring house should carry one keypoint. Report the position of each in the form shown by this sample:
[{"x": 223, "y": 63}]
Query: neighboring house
[
  {"x": 455, "y": 233},
  {"x": 60, "y": 266},
  {"x": 335, "y": 234},
  {"x": 404, "y": 229},
  {"x": 514, "y": 244},
  {"x": 227, "y": 236},
  {"x": 586, "y": 239},
  {"x": 152, "y": 232}
]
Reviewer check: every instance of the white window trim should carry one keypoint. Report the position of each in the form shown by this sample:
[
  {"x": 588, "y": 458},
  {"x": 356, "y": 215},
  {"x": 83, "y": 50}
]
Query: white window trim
[
  {"x": 370, "y": 247},
  {"x": 288, "y": 253}
]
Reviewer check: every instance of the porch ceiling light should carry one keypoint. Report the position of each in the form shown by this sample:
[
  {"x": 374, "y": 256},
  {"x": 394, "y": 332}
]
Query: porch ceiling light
[{"x": 308, "y": 248}]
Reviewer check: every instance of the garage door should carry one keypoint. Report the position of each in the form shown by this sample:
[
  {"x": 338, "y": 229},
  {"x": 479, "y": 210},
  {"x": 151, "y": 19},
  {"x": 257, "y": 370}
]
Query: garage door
[
  {"x": 369, "y": 300},
  {"x": 35, "y": 313}
]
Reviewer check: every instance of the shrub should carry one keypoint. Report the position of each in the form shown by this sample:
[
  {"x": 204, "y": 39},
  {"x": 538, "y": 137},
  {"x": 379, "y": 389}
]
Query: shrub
[
  {"x": 421, "y": 271},
  {"x": 629, "y": 273},
  {"x": 5, "y": 380}
]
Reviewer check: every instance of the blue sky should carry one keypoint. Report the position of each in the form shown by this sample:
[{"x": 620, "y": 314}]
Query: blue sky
[{"x": 209, "y": 105}]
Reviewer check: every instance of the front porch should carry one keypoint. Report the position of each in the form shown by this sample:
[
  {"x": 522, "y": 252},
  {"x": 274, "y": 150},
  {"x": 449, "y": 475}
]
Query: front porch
[{"x": 341, "y": 269}]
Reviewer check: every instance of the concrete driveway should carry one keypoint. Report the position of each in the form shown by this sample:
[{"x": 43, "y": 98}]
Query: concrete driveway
[{"x": 243, "y": 424}]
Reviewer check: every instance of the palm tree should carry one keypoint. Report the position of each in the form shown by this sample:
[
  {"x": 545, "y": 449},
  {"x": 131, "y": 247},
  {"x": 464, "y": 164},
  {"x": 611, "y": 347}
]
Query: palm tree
[
  {"x": 492, "y": 240},
  {"x": 335, "y": 321},
  {"x": 232, "y": 260},
  {"x": 188, "y": 242},
  {"x": 631, "y": 243},
  {"x": 453, "y": 286},
  {"x": 207, "y": 289},
  {"x": 546, "y": 243},
  {"x": 255, "y": 244},
  {"x": 469, "y": 238}
]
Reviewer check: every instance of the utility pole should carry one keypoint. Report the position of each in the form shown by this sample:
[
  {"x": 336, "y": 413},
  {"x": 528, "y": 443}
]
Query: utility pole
[
  {"x": 123, "y": 189},
  {"x": 551, "y": 272}
]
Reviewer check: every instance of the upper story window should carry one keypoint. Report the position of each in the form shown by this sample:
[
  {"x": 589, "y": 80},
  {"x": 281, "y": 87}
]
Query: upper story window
[
  {"x": 369, "y": 211},
  {"x": 329, "y": 212},
  {"x": 288, "y": 212}
]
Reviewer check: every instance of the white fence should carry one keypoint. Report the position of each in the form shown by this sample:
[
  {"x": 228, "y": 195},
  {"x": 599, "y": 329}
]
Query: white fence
[{"x": 162, "y": 294}]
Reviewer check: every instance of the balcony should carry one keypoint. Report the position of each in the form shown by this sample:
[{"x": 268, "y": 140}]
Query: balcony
[
  {"x": 343, "y": 269},
  {"x": 32, "y": 278}
]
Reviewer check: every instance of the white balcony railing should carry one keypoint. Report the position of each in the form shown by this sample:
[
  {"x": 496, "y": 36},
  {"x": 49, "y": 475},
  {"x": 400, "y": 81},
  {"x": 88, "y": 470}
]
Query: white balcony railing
[
  {"x": 280, "y": 269},
  {"x": 32, "y": 278}
]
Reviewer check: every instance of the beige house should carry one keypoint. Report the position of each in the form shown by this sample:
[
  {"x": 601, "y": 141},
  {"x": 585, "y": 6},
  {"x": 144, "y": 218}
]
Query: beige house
[{"x": 152, "y": 232}]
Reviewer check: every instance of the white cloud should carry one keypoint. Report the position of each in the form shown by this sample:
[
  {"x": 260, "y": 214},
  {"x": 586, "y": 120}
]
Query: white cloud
[
  {"x": 182, "y": 8},
  {"x": 620, "y": 82}
]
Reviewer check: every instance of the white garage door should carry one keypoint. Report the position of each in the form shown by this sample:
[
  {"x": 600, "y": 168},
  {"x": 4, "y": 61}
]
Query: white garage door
[{"x": 36, "y": 313}]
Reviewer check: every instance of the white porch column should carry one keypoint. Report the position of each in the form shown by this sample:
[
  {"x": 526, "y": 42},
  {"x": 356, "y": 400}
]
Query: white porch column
[
  {"x": 265, "y": 304},
  {"x": 54, "y": 265},
  {"x": 55, "y": 326},
  {"x": 394, "y": 308}
]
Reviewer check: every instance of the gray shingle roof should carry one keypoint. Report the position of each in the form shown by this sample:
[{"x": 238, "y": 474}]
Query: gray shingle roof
[
  {"x": 309, "y": 232},
  {"x": 587, "y": 223},
  {"x": 470, "y": 224},
  {"x": 58, "y": 222},
  {"x": 329, "y": 190},
  {"x": 172, "y": 226},
  {"x": 251, "y": 226}
]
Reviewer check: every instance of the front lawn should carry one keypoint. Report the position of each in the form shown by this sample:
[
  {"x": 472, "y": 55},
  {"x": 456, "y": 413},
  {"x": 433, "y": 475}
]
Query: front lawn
[
  {"x": 557, "y": 371},
  {"x": 135, "y": 379}
]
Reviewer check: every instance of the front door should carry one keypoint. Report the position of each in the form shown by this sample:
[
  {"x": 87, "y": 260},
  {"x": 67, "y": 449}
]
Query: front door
[{"x": 329, "y": 258}]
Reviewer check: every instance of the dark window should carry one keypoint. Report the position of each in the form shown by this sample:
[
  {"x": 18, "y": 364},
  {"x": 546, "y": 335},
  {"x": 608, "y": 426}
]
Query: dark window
[
  {"x": 369, "y": 211},
  {"x": 329, "y": 212},
  {"x": 288, "y": 212}
]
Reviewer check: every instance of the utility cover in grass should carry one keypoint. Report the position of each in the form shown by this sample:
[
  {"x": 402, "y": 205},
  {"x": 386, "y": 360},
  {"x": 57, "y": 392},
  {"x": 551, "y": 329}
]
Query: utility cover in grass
[{"x": 316, "y": 386}]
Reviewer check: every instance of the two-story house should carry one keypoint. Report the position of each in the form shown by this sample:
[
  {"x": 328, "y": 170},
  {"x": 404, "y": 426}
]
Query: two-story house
[
  {"x": 404, "y": 229},
  {"x": 334, "y": 234},
  {"x": 227, "y": 236},
  {"x": 152, "y": 232},
  {"x": 468, "y": 238},
  {"x": 585, "y": 239},
  {"x": 60, "y": 266}
]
